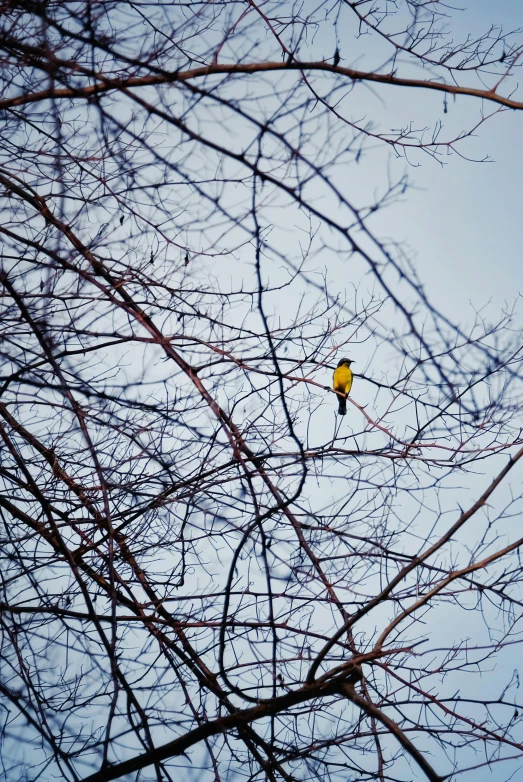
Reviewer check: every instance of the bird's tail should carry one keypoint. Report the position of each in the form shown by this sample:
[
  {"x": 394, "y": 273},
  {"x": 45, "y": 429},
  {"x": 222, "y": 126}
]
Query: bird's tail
[{"x": 342, "y": 405}]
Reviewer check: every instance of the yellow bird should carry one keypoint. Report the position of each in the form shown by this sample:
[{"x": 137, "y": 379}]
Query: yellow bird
[{"x": 342, "y": 380}]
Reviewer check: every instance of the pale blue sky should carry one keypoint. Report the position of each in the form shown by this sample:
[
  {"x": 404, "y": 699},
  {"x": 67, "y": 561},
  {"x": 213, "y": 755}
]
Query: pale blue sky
[
  {"x": 463, "y": 220},
  {"x": 461, "y": 223}
]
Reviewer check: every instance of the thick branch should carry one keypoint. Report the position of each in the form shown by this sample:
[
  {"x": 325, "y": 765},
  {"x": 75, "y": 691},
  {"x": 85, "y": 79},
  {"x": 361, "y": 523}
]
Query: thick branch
[
  {"x": 212, "y": 728},
  {"x": 111, "y": 84}
]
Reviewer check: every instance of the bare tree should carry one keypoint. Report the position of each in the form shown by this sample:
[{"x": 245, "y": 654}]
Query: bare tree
[{"x": 205, "y": 573}]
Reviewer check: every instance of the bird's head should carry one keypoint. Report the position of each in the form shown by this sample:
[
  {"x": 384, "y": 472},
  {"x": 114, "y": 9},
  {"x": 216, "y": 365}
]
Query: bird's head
[{"x": 345, "y": 362}]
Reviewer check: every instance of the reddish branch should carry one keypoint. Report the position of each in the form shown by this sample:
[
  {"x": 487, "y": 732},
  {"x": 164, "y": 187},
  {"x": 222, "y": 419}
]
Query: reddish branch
[{"x": 108, "y": 84}]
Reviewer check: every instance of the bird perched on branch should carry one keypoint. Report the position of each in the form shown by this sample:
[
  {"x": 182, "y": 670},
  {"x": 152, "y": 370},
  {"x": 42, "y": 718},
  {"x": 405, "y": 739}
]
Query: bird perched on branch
[{"x": 342, "y": 381}]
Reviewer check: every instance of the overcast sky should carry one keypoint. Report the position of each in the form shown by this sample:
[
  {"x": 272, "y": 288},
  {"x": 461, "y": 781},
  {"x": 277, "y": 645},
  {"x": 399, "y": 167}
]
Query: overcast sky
[
  {"x": 461, "y": 224},
  {"x": 463, "y": 221}
]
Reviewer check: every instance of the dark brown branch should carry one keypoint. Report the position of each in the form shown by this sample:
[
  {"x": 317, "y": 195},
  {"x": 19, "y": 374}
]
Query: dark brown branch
[{"x": 108, "y": 84}]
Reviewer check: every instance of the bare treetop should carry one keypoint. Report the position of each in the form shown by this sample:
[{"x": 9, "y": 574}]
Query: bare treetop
[{"x": 205, "y": 573}]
